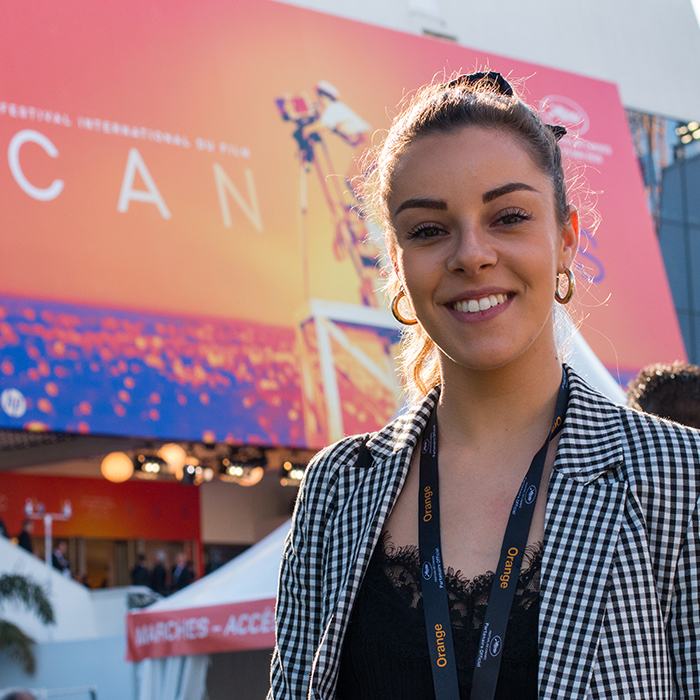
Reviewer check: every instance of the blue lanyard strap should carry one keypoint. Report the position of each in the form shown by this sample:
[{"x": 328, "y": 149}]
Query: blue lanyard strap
[{"x": 435, "y": 605}]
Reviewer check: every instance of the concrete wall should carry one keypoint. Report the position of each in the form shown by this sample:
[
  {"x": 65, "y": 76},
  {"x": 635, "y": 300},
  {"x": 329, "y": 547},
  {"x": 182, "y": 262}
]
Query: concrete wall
[
  {"x": 233, "y": 514},
  {"x": 650, "y": 48}
]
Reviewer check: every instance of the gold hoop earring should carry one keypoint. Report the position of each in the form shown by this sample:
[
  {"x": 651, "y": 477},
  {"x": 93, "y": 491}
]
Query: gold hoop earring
[
  {"x": 570, "y": 291},
  {"x": 397, "y": 314}
]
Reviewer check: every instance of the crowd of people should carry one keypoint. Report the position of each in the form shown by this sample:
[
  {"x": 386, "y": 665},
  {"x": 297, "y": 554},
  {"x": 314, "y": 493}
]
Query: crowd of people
[{"x": 159, "y": 579}]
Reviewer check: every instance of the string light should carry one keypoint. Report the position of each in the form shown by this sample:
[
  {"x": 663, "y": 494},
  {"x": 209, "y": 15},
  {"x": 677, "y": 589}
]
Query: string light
[
  {"x": 239, "y": 472},
  {"x": 688, "y": 132},
  {"x": 292, "y": 473},
  {"x": 149, "y": 466},
  {"x": 117, "y": 467},
  {"x": 174, "y": 456}
]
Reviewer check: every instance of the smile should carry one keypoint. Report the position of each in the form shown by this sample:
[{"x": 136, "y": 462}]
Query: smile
[{"x": 473, "y": 306}]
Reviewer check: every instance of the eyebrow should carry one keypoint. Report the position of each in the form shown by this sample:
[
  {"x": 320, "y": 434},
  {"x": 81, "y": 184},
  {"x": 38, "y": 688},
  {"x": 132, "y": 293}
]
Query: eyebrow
[
  {"x": 440, "y": 205},
  {"x": 422, "y": 204},
  {"x": 505, "y": 189}
]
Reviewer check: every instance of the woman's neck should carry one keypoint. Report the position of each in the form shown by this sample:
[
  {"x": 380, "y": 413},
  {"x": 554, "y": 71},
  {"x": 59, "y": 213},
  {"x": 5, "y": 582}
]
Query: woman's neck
[{"x": 479, "y": 408}]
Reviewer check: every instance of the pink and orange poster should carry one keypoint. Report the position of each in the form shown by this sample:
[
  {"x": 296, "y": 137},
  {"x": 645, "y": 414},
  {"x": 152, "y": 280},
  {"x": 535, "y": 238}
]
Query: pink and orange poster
[{"x": 182, "y": 253}]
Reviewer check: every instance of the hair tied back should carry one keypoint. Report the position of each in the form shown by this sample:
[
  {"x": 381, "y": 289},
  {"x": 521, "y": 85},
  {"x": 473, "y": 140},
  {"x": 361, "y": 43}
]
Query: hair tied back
[
  {"x": 557, "y": 130},
  {"x": 502, "y": 87},
  {"x": 496, "y": 80}
]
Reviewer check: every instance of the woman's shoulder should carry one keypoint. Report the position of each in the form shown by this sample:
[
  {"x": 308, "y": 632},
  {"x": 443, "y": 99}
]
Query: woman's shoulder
[
  {"x": 664, "y": 434},
  {"x": 590, "y": 403},
  {"x": 647, "y": 441},
  {"x": 399, "y": 434}
]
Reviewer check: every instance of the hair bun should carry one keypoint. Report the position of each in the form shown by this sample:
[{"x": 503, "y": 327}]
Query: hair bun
[
  {"x": 496, "y": 80},
  {"x": 557, "y": 130}
]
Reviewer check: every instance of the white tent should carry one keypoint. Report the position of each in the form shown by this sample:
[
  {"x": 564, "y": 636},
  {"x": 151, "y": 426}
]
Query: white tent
[
  {"x": 587, "y": 364},
  {"x": 231, "y": 609}
]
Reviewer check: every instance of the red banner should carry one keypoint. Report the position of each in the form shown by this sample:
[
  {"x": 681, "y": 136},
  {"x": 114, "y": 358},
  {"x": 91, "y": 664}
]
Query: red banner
[
  {"x": 134, "y": 509},
  {"x": 206, "y": 630}
]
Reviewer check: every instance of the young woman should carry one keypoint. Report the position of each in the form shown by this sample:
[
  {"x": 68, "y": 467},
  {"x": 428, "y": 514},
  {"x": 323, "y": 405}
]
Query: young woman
[{"x": 543, "y": 543}]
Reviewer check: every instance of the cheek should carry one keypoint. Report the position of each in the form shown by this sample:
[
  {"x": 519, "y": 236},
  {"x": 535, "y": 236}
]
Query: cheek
[{"x": 414, "y": 272}]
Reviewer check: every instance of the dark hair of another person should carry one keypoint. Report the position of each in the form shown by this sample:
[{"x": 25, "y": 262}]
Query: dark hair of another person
[
  {"x": 19, "y": 695},
  {"x": 446, "y": 108},
  {"x": 669, "y": 391}
]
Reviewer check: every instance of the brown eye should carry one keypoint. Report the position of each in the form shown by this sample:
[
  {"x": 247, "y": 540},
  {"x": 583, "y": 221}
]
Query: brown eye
[
  {"x": 512, "y": 217},
  {"x": 425, "y": 231}
]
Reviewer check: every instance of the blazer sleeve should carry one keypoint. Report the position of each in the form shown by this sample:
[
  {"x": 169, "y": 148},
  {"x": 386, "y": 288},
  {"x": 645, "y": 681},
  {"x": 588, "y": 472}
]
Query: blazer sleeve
[
  {"x": 300, "y": 594},
  {"x": 684, "y": 622},
  {"x": 292, "y": 654}
]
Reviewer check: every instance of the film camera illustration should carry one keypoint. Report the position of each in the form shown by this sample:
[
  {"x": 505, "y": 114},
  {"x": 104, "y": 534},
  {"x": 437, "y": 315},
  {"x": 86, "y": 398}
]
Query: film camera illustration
[{"x": 347, "y": 350}]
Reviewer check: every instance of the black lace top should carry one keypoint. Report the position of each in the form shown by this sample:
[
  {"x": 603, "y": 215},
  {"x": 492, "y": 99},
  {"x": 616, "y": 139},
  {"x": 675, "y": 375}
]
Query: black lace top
[{"x": 385, "y": 654}]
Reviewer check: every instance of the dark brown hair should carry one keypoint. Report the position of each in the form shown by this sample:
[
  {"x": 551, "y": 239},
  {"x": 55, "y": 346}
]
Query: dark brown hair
[{"x": 670, "y": 391}]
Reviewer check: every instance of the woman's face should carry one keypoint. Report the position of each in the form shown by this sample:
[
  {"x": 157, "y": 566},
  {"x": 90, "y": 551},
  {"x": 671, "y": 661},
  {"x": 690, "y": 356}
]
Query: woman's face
[{"x": 478, "y": 246}]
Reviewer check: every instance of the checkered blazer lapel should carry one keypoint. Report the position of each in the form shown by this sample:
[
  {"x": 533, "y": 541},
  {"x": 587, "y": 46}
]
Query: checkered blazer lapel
[{"x": 585, "y": 509}]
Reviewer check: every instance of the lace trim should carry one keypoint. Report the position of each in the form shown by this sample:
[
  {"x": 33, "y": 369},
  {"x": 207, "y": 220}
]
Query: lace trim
[{"x": 467, "y": 598}]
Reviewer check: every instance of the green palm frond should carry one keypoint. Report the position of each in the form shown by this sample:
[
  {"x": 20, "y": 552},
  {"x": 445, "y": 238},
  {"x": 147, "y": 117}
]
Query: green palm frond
[
  {"x": 18, "y": 645},
  {"x": 20, "y": 589}
]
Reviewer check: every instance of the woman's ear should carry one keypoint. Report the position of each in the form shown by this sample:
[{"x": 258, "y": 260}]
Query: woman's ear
[{"x": 569, "y": 239}]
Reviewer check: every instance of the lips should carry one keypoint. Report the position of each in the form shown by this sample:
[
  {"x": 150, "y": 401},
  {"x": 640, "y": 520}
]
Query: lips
[{"x": 479, "y": 304}]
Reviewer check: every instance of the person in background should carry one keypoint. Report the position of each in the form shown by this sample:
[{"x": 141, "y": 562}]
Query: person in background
[
  {"x": 215, "y": 562},
  {"x": 669, "y": 391},
  {"x": 139, "y": 574},
  {"x": 3, "y": 528},
  {"x": 19, "y": 695},
  {"x": 24, "y": 539},
  {"x": 59, "y": 559},
  {"x": 183, "y": 575},
  {"x": 159, "y": 576}
]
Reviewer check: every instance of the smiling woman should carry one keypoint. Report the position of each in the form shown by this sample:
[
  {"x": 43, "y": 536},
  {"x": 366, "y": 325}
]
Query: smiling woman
[
  {"x": 473, "y": 217},
  {"x": 436, "y": 114},
  {"x": 551, "y": 550}
]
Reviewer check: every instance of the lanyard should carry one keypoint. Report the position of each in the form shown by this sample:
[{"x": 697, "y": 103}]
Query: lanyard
[{"x": 437, "y": 614}]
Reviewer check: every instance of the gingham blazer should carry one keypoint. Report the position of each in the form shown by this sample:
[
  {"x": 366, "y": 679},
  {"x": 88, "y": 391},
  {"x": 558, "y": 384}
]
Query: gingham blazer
[{"x": 620, "y": 583}]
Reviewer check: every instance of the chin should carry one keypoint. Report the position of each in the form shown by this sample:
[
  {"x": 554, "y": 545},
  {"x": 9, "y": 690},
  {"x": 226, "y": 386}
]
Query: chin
[
  {"x": 479, "y": 362},
  {"x": 487, "y": 359}
]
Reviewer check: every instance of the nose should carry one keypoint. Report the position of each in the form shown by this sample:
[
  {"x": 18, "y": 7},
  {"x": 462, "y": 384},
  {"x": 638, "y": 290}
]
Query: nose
[{"x": 472, "y": 252}]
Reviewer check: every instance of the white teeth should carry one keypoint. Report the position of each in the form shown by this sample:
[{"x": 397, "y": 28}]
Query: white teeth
[{"x": 474, "y": 305}]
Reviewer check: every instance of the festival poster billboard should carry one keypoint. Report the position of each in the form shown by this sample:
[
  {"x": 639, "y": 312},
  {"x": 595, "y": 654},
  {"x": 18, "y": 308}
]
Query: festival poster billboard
[{"x": 182, "y": 251}]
